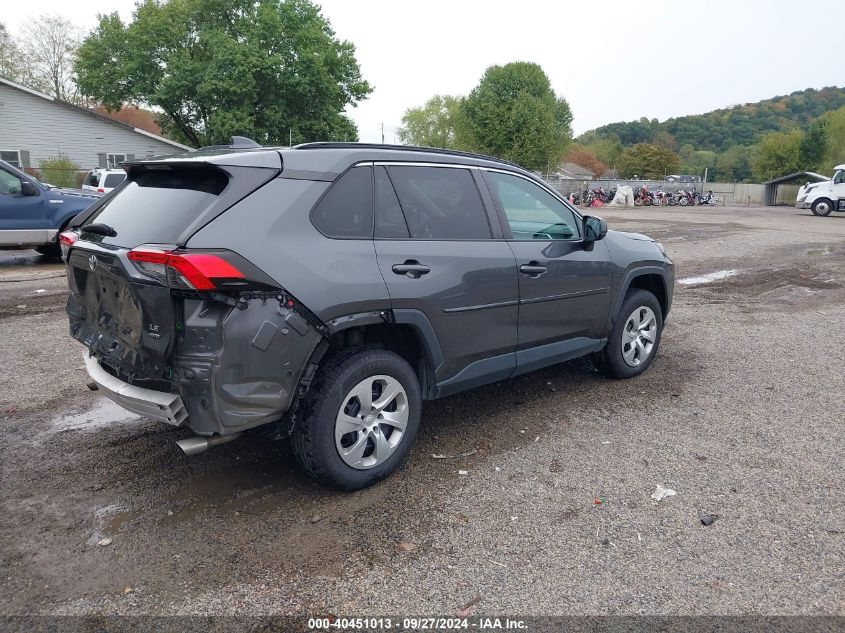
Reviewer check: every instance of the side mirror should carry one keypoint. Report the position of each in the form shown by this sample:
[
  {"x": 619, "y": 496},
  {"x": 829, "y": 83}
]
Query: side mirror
[
  {"x": 594, "y": 228},
  {"x": 28, "y": 189}
]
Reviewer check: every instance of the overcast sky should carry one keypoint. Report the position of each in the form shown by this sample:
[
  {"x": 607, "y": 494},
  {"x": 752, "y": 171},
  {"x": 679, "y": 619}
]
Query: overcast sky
[{"x": 613, "y": 61}]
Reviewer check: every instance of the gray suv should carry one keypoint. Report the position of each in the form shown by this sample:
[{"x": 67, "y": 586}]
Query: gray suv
[{"x": 322, "y": 292}]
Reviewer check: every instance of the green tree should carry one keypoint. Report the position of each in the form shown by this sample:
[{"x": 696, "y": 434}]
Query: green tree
[
  {"x": 433, "y": 124},
  {"x": 221, "y": 67},
  {"x": 834, "y": 153},
  {"x": 697, "y": 161},
  {"x": 648, "y": 161},
  {"x": 778, "y": 154},
  {"x": 734, "y": 164},
  {"x": 513, "y": 113},
  {"x": 814, "y": 145},
  {"x": 607, "y": 150},
  {"x": 60, "y": 171}
]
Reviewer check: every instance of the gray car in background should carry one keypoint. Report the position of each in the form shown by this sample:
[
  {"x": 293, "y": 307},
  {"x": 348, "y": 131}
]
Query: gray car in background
[{"x": 323, "y": 292}]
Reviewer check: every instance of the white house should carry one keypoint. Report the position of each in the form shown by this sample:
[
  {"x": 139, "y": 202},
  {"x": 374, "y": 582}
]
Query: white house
[{"x": 35, "y": 126}]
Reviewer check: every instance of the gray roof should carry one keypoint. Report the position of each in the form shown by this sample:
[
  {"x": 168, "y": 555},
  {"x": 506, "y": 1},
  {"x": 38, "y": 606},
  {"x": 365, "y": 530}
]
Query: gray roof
[
  {"x": 802, "y": 174},
  {"x": 575, "y": 170}
]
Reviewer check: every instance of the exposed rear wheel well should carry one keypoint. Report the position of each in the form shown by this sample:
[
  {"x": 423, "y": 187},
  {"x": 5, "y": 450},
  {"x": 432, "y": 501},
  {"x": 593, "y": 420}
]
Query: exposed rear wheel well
[
  {"x": 401, "y": 339},
  {"x": 654, "y": 284}
]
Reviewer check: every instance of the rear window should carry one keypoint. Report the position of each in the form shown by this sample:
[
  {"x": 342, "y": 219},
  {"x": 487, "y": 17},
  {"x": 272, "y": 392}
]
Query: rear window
[
  {"x": 113, "y": 180},
  {"x": 91, "y": 179},
  {"x": 158, "y": 205}
]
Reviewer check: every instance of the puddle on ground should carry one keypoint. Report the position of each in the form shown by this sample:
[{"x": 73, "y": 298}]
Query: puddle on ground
[
  {"x": 104, "y": 413},
  {"x": 108, "y": 521},
  {"x": 708, "y": 278}
]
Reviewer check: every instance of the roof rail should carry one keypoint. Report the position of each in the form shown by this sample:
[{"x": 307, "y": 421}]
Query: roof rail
[{"x": 402, "y": 148}]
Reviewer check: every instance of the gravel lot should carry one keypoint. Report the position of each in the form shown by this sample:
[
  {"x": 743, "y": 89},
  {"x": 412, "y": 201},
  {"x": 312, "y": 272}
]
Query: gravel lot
[{"x": 741, "y": 414}]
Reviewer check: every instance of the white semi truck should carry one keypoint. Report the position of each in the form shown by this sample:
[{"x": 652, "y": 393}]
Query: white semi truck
[{"x": 826, "y": 196}]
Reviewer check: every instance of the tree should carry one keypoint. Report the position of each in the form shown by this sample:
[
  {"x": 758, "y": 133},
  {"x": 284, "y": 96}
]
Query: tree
[
  {"x": 49, "y": 45},
  {"x": 648, "y": 161},
  {"x": 218, "y": 68},
  {"x": 814, "y": 144},
  {"x": 778, "y": 154},
  {"x": 582, "y": 156},
  {"x": 607, "y": 150},
  {"x": 513, "y": 113},
  {"x": 834, "y": 132},
  {"x": 60, "y": 171},
  {"x": 433, "y": 124},
  {"x": 734, "y": 164},
  {"x": 697, "y": 161},
  {"x": 11, "y": 58}
]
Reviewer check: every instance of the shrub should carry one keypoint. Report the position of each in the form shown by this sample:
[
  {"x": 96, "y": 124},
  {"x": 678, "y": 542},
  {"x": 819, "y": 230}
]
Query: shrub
[{"x": 60, "y": 171}]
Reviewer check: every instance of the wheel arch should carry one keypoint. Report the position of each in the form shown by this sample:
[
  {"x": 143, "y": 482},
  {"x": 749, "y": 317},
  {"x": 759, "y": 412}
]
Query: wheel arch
[
  {"x": 650, "y": 278},
  {"x": 408, "y": 333}
]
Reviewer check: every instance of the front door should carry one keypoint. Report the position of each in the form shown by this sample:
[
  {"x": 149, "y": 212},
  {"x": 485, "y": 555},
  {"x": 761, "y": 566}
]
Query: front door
[
  {"x": 564, "y": 285},
  {"x": 437, "y": 254},
  {"x": 22, "y": 218}
]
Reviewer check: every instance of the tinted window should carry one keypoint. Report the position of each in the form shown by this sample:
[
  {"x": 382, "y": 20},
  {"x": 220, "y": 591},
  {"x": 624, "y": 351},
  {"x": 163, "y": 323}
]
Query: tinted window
[
  {"x": 532, "y": 212},
  {"x": 440, "y": 203},
  {"x": 346, "y": 210},
  {"x": 390, "y": 221},
  {"x": 158, "y": 205},
  {"x": 91, "y": 179},
  {"x": 113, "y": 180}
]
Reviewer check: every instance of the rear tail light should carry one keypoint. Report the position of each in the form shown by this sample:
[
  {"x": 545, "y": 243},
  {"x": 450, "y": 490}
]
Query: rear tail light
[
  {"x": 189, "y": 270},
  {"x": 100, "y": 190},
  {"x": 66, "y": 240}
]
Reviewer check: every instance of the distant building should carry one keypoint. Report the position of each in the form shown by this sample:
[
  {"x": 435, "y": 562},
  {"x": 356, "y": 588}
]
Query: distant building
[
  {"x": 610, "y": 174},
  {"x": 682, "y": 178},
  {"x": 35, "y": 127},
  {"x": 571, "y": 171}
]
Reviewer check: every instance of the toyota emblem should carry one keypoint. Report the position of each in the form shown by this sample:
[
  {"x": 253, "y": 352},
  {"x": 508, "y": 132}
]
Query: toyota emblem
[{"x": 92, "y": 262}]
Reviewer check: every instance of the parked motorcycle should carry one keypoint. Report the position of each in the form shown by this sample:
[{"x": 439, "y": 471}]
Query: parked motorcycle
[{"x": 709, "y": 199}]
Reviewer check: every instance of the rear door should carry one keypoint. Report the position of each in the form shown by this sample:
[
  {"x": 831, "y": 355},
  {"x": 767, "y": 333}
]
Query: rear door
[
  {"x": 564, "y": 287},
  {"x": 438, "y": 254}
]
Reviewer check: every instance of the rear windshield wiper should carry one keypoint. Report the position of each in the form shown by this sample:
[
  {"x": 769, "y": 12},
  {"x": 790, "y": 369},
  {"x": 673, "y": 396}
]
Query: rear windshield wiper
[{"x": 99, "y": 229}]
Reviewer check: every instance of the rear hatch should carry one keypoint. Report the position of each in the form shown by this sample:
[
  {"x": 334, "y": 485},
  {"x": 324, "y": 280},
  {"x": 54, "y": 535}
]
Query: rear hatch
[{"x": 127, "y": 266}]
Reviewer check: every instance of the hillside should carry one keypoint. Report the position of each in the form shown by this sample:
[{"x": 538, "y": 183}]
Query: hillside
[{"x": 720, "y": 129}]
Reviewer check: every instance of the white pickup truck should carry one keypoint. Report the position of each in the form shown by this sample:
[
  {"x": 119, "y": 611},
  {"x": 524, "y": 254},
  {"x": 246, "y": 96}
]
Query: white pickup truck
[{"x": 826, "y": 196}]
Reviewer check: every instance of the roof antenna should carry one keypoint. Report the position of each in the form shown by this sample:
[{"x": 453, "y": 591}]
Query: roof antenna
[{"x": 242, "y": 142}]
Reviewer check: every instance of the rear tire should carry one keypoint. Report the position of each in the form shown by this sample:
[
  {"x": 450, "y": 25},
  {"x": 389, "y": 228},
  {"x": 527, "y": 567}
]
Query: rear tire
[
  {"x": 336, "y": 420},
  {"x": 822, "y": 207},
  {"x": 635, "y": 338}
]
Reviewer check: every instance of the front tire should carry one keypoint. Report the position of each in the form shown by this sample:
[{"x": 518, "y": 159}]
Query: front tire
[
  {"x": 635, "y": 337},
  {"x": 822, "y": 207},
  {"x": 359, "y": 418}
]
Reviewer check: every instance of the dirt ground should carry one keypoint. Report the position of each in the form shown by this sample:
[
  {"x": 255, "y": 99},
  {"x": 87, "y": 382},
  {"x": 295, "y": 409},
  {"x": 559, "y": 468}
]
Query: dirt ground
[{"x": 741, "y": 415}]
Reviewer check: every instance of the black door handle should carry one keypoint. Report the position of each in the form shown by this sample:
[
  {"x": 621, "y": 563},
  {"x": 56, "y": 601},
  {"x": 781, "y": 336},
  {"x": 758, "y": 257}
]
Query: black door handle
[
  {"x": 412, "y": 268},
  {"x": 532, "y": 269}
]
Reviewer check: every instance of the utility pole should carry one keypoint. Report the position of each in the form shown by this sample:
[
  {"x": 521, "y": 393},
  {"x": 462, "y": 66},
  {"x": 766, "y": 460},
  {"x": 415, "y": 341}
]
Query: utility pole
[
  {"x": 290, "y": 138},
  {"x": 382, "y": 133}
]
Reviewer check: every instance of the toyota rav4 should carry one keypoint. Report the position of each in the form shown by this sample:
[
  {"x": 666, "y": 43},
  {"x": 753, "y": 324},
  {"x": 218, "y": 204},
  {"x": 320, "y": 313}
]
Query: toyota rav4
[{"x": 322, "y": 292}]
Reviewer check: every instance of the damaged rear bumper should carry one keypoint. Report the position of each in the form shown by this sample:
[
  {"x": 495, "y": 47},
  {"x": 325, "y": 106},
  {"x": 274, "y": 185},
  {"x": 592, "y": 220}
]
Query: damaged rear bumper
[{"x": 158, "y": 405}]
